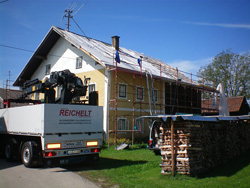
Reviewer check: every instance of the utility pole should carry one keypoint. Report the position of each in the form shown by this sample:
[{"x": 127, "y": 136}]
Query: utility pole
[
  {"x": 68, "y": 15},
  {"x": 9, "y": 80},
  {"x": 6, "y": 90}
]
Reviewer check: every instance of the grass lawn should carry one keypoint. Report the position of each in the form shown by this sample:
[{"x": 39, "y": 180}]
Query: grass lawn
[{"x": 140, "y": 168}]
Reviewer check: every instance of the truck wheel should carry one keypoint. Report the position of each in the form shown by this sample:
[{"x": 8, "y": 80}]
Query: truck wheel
[
  {"x": 27, "y": 155},
  {"x": 8, "y": 151}
]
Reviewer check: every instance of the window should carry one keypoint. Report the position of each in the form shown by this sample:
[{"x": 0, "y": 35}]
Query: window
[
  {"x": 36, "y": 96},
  {"x": 91, "y": 87},
  {"x": 122, "y": 124},
  {"x": 138, "y": 124},
  {"x": 58, "y": 91},
  {"x": 79, "y": 62},
  {"x": 122, "y": 91},
  {"x": 154, "y": 95},
  {"x": 139, "y": 94},
  {"x": 47, "y": 69}
]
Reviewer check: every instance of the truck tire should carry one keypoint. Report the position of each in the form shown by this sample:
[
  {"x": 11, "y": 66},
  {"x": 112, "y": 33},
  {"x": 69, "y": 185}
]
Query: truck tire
[
  {"x": 27, "y": 154},
  {"x": 8, "y": 151}
]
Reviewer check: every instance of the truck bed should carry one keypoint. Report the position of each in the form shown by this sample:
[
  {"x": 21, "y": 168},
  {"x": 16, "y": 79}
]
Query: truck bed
[{"x": 54, "y": 122}]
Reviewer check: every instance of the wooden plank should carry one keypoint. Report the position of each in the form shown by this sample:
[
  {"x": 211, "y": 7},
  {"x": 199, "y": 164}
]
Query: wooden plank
[{"x": 172, "y": 147}]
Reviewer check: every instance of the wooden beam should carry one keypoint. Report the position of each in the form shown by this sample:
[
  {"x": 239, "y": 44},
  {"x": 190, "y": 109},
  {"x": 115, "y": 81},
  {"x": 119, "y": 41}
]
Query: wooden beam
[{"x": 172, "y": 147}]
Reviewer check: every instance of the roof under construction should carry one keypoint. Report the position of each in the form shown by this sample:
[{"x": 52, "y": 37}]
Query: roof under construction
[{"x": 104, "y": 54}]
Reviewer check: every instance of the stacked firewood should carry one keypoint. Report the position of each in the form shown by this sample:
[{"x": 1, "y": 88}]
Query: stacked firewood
[{"x": 199, "y": 146}]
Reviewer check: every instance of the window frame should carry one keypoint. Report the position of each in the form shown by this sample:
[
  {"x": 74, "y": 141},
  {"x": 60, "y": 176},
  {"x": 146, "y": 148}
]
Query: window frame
[
  {"x": 91, "y": 84},
  {"x": 155, "y": 96},
  {"x": 47, "y": 69},
  {"x": 137, "y": 127},
  {"x": 37, "y": 96},
  {"x": 79, "y": 62},
  {"x": 138, "y": 94},
  {"x": 119, "y": 91},
  {"x": 119, "y": 127},
  {"x": 58, "y": 91}
]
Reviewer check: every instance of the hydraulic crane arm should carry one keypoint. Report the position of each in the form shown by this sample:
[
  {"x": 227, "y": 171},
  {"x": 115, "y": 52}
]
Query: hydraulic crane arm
[{"x": 71, "y": 86}]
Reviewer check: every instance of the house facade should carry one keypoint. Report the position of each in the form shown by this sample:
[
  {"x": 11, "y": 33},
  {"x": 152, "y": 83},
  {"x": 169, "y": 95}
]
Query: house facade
[
  {"x": 131, "y": 87},
  {"x": 6, "y": 94},
  {"x": 238, "y": 106}
]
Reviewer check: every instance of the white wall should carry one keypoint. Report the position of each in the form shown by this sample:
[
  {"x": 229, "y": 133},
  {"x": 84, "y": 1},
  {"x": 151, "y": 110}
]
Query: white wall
[
  {"x": 106, "y": 101},
  {"x": 1, "y": 103},
  {"x": 63, "y": 56}
]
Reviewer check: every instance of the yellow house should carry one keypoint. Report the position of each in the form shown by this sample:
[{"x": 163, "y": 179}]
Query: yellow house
[{"x": 129, "y": 84}]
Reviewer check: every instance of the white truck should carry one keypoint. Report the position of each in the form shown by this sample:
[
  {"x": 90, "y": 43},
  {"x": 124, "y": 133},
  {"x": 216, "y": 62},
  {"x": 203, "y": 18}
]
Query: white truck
[
  {"x": 51, "y": 133},
  {"x": 60, "y": 130}
]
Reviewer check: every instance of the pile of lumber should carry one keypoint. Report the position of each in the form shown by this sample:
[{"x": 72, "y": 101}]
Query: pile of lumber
[{"x": 194, "y": 147}]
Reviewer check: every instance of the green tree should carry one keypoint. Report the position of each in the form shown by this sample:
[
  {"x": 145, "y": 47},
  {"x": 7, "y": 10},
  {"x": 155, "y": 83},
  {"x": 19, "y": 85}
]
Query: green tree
[{"x": 231, "y": 69}]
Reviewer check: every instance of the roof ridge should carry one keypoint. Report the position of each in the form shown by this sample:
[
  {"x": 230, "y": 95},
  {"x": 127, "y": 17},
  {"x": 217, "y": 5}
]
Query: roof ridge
[
  {"x": 54, "y": 27},
  {"x": 236, "y": 97},
  {"x": 167, "y": 70}
]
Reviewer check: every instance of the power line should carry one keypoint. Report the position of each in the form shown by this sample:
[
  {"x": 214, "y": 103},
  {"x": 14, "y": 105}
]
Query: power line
[
  {"x": 80, "y": 8},
  {"x": 69, "y": 14},
  {"x": 79, "y": 28},
  {"x": 4, "y": 1},
  {"x": 15, "y": 48},
  {"x": 21, "y": 49}
]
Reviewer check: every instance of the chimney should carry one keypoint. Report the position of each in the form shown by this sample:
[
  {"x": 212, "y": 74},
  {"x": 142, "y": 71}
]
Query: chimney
[{"x": 115, "y": 42}]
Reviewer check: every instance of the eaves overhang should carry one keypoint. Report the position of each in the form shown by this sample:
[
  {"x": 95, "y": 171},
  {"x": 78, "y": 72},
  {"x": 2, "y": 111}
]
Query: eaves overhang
[
  {"x": 37, "y": 58},
  {"x": 164, "y": 79}
]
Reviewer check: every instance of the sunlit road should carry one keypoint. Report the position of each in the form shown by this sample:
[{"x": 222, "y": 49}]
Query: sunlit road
[{"x": 16, "y": 175}]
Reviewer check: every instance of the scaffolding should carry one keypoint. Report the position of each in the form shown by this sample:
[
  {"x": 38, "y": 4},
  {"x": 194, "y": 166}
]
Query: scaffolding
[{"x": 181, "y": 95}]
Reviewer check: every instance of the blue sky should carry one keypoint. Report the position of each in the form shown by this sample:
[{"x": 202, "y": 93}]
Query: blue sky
[{"x": 183, "y": 33}]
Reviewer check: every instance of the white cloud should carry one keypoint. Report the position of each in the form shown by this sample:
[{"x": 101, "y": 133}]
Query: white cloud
[
  {"x": 242, "y": 26},
  {"x": 190, "y": 66}
]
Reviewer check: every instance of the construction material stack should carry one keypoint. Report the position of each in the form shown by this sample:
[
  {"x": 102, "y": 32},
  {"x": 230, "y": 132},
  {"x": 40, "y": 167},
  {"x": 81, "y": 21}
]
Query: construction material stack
[
  {"x": 186, "y": 145},
  {"x": 192, "y": 147}
]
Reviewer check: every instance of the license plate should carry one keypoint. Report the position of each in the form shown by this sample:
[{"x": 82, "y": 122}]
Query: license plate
[
  {"x": 64, "y": 161},
  {"x": 72, "y": 152},
  {"x": 74, "y": 144},
  {"x": 72, "y": 160}
]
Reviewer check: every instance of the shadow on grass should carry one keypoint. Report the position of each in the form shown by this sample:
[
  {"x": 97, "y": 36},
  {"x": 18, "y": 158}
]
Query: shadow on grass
[
  {"x": 103, "y": 163},
  {"x": 228, "y": 169}
]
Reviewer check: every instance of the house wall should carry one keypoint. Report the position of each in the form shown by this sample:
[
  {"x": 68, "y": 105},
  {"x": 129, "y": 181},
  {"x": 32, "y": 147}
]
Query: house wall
[
  {"x": 1, "y": 103},
  {"x": 131, "y": 108},
  {"x": 244, "y": 109},
  {"x": 100, "y": 79},
  {"x": 63, "y": 56}
]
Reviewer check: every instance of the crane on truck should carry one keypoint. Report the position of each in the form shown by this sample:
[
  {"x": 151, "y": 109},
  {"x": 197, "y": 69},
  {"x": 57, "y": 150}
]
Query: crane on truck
[
  {"x": 72, "y": 86},
  {"x": 55, "y": 130}
]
